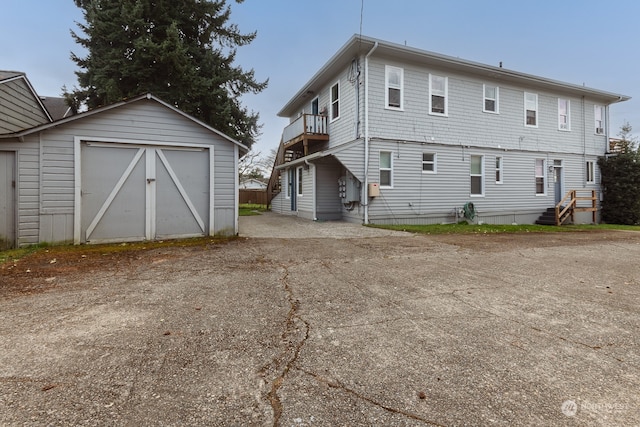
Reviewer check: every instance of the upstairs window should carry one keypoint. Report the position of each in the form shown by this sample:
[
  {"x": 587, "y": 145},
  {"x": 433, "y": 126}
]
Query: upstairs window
[
  {"x": 599, "y": 116},
  {"x": 438, "y": 95},
  {"x": 335, "y": 101},
  {"x": 490, "y": 99},
  {"x": 386, "y": 169},
  {"x": 540, "y": 177},
  {"x": 563, "y": 114},
  {"x": 477, "y": 175},
  {"x": 429, "y": 163},
  {"x": 394, "y": 87},
  {"x": 531, "y": 109}
]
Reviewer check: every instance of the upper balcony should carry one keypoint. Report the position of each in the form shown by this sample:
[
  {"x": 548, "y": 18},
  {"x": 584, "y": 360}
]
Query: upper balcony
[{"x": 306, "y": 128}]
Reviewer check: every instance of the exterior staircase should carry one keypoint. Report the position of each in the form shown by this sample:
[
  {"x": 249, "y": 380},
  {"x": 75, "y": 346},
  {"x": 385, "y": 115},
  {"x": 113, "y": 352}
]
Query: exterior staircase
[{"x": 566, "y": 208}]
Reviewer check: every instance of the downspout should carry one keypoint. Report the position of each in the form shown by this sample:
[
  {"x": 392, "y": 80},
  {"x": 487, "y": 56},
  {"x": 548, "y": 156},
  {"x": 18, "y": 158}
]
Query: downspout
[
  {"x": 366, "y": 133},
  {"x": 312, "y": 168}
]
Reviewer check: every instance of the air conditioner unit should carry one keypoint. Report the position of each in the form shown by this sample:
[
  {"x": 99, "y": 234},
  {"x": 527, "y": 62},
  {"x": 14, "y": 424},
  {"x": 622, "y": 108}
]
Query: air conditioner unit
[
  {"x": 599, "y": 131},
  {"x": 563, "y": 126}
]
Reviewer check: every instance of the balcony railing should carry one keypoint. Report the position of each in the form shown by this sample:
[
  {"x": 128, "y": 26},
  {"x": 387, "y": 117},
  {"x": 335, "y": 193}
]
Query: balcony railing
[{"x": 305, "y": 125}]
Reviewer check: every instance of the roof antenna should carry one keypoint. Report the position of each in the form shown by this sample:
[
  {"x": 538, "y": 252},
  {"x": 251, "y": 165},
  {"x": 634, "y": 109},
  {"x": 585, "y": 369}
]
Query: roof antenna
[
  {"x": 500, "y": 64},
  {"x": 361, "y": 15}
]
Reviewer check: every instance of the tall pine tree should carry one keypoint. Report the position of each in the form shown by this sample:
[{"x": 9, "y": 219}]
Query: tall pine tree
[{"x": 182, "y": 51}]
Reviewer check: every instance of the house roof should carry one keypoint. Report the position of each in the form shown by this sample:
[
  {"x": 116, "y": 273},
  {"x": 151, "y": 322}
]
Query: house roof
[
  {"x": 358, "y": 45},
  {"x": 9, "y": 76},
  {"x": 57, "y": 107},
  {"x": 243, "y": 148}
]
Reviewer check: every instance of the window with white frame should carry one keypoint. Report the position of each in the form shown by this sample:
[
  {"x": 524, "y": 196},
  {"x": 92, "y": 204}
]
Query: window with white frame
[
  {"x": 490, "y": 104},
  {"x": 386, "y": 169},
  {"x": 438, "y": 102},
  {"x": 591, "y": 175},
  {"x": 429, "y": 163},
  {"x": 299, "y": 181},
  {"x": 599, "y": 119},
  {"x": 564, "y": 110},
  {"x": 477, "y": 175},
  {"x": 531, "y": 109},
  {"x": 498, "y": 169},
  {"x": 540, "y": 177},
  {"x": 288, "y": 182},
  {"x": 394, "y": 78},
  {"x": 335, "y": 101}
]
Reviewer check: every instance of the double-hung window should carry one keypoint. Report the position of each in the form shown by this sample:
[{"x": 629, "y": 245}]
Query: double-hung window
[
  {"x": 531, "y": 109},
  {"x": 490, "y": 104},
  {"x": 386, "y": 169},
  {"x": 429, "y": 163},
  {"x": 498, "y": 170},
  {"x": 599, "y": 119},
  {"x": 477, "y": 175},
  {"x": 394, "y": 78},
  {"x": 438, "y": 102},
  {"x": 564, "y": 109},
  {"x": 590, "y": 169},
  {"x": 335, "y": 101},
  {"x": 540, "y": 177}
]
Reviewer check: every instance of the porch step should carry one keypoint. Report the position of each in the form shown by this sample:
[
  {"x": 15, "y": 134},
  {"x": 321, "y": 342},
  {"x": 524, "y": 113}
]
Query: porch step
[{"x": 548, "y": 217}]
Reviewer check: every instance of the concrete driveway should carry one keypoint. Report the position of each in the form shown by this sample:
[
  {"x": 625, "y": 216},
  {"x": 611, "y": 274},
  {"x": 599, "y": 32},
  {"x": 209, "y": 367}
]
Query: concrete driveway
[{"x": 389, "y": 330}]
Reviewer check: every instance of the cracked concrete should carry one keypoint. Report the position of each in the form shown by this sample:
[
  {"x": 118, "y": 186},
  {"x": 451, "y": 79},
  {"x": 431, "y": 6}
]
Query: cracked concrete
[{"x": 388, "y": 329}]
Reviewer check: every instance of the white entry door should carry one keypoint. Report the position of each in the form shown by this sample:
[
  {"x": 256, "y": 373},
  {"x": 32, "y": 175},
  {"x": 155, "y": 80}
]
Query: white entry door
[
  {"x": 7, "y": 199},
  {"x": 131, "y": 192}
]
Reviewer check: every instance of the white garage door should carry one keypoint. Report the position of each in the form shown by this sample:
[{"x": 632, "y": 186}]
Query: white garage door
[{"x": 139, "y": 192}]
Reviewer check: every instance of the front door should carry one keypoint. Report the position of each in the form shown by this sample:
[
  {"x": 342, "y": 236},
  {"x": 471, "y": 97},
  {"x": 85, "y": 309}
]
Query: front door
[
  {"x": 293, "y": 189},
  {"x": 557, "y": 180},
  {"x": 7, "y": 200}
]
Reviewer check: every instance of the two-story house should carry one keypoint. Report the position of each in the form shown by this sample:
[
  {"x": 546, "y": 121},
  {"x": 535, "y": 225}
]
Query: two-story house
[{"x": 386, "y": 133}]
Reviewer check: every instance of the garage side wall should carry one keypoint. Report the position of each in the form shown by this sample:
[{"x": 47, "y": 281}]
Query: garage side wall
[
  {"x": 27, "y": 221},
  {"x": 145, "y": 121}
]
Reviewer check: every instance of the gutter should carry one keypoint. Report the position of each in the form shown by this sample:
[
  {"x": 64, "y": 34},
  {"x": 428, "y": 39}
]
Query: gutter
[{"x": 366, "y": 133}]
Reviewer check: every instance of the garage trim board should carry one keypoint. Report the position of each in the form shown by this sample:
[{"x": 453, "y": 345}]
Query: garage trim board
[{"x": 148, "y": 165}]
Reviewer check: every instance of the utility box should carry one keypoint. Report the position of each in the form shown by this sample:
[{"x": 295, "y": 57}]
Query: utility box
[
  {"x": 374, "y": 189},
  {"x": 349, "y": 188}
]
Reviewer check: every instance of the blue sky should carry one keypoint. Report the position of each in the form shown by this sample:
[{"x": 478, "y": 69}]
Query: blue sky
[{"x": 577, "y": 41}]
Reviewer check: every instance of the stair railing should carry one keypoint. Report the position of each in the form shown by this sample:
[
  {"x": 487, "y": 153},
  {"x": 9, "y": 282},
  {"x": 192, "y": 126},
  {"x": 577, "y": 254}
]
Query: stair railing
[{"x": 563, "y": 213}]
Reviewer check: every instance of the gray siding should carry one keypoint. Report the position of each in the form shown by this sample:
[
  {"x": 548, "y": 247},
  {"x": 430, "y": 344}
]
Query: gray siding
[
  {"x": 19, "y": 109},
  {"x": 467, "y": 124},
  {"x": 27, "y": 189},
  {"x": 427, "y": 197},
  {"x": 46, "y": 209},
  {"x": 328, "y": 203}
]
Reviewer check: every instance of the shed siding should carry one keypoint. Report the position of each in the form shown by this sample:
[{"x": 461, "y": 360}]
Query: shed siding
[
  {"x": 144, "y": 120},
  {"x": 19, "y": 109},
  {"x": 328, "y": 203}
]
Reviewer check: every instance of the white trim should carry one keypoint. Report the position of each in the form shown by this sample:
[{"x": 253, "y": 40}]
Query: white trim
[
  {"x": 299, "y": 182},
  {"x": 109, "y": 142},
  {"x": 500, "y": 169},
  {"x": 446, "y": 95},
  {"x": 331, "y": 102},
  {"x": 482, "y": 175},
  {"x": 150, "y": 193},
  {"x": 496, "y": 100},
  {"x": 390, "y": 169},
  {"x": 435, "y": 163},
  {"x": 314, "y": 195},
  {"x": 212, "y": 191},
  {"x": 590, "y": 172},
  {"x": 387, "y": 86},
  {"x": 543, "y": 176},
  {"x": 77, "y": 191},
  {"x": 527, "y": 109}
]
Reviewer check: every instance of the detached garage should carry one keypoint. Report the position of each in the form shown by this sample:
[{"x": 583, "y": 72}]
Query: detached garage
[{"x": 136, "y": 170}]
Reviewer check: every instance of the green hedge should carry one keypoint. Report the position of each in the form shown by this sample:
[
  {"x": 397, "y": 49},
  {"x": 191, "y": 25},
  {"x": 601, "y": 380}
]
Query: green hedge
[{"x": 621, "y": 188}]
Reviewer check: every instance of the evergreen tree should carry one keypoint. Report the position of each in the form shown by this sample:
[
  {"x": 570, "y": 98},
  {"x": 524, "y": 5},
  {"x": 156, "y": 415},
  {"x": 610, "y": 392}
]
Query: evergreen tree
[
  {"x": 620, "y": 178},
  {"x": 182, "y": 51}
]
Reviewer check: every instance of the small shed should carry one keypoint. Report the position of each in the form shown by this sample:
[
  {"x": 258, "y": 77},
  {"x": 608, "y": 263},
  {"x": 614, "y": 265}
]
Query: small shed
[{"x": 136, "y": 170}]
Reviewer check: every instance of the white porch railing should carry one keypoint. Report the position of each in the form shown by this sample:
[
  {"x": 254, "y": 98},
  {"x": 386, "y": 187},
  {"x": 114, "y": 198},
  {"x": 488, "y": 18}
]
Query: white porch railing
[{"x": 305, "y": 124}]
